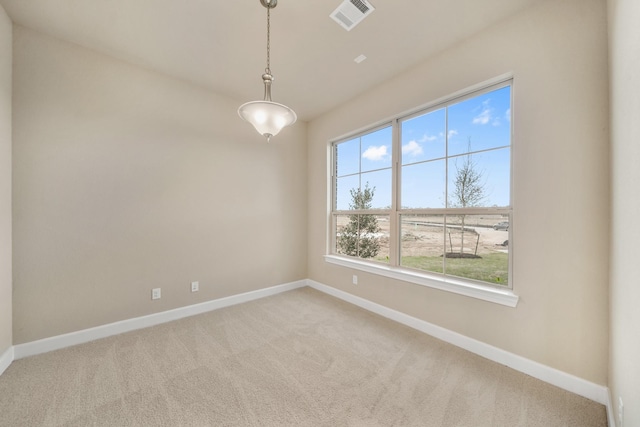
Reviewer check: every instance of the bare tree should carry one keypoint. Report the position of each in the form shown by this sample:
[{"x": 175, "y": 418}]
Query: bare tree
[{"x": 468, "y": 188}]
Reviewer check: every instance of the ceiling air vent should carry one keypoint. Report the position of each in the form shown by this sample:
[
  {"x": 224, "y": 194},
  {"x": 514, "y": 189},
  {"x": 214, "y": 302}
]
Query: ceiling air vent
[{"x": 351, "y": 12}]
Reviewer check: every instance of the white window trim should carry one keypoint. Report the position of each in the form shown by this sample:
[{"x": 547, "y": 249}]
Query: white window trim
[{"x": 486, "y": 293}]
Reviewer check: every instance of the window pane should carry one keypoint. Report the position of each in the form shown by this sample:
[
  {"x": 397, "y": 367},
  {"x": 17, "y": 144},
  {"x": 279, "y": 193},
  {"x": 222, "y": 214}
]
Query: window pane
[
  {"x": 363, "y": 236},
  {"x": 477, "y": 247},
  {"x": 379, "y": 184},
  {"x": 423, "y": 185},
  {"x": 344, "y": 199},
  {"x": 376, "y": 150},
  {"x": 374, "y": 194},
  {"x": 348, "y": 157},
  {"x": 479, "y": 180},
  {"x": 423, "y": 137},
  {"x": 422, "y": 242},
  {"x": 480, "y": 123}
]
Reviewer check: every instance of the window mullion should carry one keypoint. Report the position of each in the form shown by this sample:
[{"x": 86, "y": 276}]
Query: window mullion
[
  {"x": 394, "y": 218},
  {"x": 446, "y": 156}
]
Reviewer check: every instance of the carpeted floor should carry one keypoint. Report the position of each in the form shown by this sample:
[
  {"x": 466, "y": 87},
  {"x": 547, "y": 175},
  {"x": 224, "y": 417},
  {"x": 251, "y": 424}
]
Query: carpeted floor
[{"x": 300, "y": 358}]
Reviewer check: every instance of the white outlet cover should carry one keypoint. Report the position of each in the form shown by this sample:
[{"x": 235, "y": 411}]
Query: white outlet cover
[
  {"x": 195, "y": 286},
  {"x": 156, "y": 293}
]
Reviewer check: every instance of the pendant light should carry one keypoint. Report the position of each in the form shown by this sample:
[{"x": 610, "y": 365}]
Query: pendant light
[{"x": 266, "y": 116}]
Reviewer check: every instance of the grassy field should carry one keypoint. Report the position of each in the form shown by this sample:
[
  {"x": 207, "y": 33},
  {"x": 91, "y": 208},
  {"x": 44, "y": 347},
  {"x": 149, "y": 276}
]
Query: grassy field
[{"x": 491, "y": 268}]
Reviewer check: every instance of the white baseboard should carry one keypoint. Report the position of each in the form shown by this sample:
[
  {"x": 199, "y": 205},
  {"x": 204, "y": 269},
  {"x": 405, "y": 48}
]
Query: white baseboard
[
  {"x": 79, "y": 337},
  {"x": 579, "y": 386},
  {"x": 6, "y": 359}
]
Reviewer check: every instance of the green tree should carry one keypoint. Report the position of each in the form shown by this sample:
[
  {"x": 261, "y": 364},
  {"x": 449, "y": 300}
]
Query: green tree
[
  {"x": 468, "y": 189},
  {"x": 358, "y": 238}
]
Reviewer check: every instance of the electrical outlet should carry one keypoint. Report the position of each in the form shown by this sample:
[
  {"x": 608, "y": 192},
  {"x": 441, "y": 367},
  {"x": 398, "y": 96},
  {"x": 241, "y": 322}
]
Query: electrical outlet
[
  {"x": 355, "y": 279},
  {"x": 156, "y": 293},
  {"x": 195, "y": 286},
  {"x": 620, "y": 412}
]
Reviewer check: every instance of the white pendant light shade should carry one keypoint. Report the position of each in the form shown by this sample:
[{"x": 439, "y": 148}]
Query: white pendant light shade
[{"x": 267, "y": 117}]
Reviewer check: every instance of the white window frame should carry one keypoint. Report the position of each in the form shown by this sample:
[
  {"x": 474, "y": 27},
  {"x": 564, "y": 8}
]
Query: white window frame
[{"x": 484, "y": 291}]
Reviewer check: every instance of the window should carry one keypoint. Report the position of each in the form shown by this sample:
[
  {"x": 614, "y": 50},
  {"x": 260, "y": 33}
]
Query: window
[
  {"x": 429, "y": 193},
  {"x": 363, "y": 177}
]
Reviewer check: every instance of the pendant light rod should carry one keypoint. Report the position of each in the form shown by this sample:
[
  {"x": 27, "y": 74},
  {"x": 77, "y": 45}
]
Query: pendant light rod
[
  {"x": 269, "y": 4},
  {"x": 267, "y": 77}
]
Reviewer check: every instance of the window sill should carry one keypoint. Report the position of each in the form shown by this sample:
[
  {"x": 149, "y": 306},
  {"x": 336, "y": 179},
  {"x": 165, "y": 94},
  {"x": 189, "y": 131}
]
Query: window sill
[{"x": 485, "y": 293}]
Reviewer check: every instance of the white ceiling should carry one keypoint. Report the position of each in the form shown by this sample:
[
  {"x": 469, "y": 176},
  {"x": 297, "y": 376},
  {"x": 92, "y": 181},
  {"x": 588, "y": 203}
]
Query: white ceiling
[{"x": 222, "y": 44}]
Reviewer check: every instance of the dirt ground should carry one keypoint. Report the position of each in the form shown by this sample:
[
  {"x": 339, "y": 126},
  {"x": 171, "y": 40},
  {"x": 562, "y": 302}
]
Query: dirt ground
[{"x": 423, "y": 235}]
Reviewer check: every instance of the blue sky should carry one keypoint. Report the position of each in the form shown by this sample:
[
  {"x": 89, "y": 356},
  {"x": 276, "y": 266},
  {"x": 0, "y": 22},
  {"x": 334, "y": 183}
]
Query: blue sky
[{"x": 481, "y": 123}]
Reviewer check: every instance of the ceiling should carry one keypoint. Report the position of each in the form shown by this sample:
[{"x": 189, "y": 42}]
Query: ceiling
[{"x": 221, "y": 45}]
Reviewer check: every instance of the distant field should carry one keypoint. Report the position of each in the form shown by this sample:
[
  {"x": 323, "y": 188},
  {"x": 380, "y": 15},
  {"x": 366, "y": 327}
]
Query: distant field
[{"x": 424, "y": 239}]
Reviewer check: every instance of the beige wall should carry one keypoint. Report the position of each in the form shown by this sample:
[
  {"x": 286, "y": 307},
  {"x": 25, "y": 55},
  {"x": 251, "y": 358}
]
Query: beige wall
[
  {"x": 126, "y": 180},
  {"x": 624, "y": 370},
  {"x": 557, "y": 51},
  {"x": 5, "y": 181}
]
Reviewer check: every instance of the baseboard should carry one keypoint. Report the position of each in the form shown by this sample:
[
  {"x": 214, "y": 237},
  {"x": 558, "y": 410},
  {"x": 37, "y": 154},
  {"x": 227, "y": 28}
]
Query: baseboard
[
  {"x": 537, "y": 370},
  {"x": 6, "y": 359},
  {"x": 79, "y": 337}
]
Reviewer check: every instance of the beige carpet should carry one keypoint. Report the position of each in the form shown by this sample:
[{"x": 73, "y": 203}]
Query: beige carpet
[{"x": 300, "y": 358}]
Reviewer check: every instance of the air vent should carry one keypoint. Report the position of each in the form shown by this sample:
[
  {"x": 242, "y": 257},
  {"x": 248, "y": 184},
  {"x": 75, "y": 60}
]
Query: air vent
[{"x": 351, "y": 12}]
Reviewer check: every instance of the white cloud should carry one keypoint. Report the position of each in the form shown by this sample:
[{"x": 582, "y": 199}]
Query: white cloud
[
  {"x": 375, "y": 154},
  {"x": 507, "y": 114},
  {"x": 411, "y": 148},
  {"x": 484, "y": 117},
  {"x": 452, "y": 133},
  {"x": 428, "y": 138}
]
